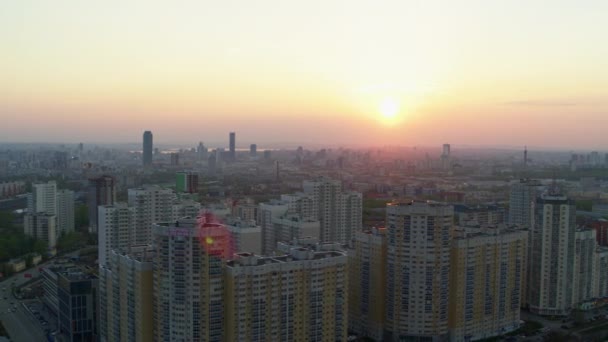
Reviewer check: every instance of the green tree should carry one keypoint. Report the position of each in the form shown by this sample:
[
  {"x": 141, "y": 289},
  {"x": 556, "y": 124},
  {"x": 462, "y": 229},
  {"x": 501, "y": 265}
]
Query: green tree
[{"x": 82, "y": 216}]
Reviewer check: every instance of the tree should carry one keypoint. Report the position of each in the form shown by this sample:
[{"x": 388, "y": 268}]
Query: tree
[{"x": 81, "y": 216}]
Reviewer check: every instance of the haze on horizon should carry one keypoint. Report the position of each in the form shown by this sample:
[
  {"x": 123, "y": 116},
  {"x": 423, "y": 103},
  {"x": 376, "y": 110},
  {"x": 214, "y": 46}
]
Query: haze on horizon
[{"x": 403, "y": 72}]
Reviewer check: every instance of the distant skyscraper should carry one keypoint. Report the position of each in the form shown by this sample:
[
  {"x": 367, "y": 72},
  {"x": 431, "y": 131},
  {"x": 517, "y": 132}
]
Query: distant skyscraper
[
  {"x": 102, "y": 191},
  {"x": 267, "y": 154},
  {"x": 148, "y": 147},
  {"x": 202, "y": 151},
  {"x": 445, "y": 157},
  {"x": 446, "y": 150},
  {"x": 253, "y": 150},
  {"x": 212, "y": 162},
  {"x": 551, "y": 255},
  {"x": 522, "y": 196},
  {"x": 232, "y": 145},
  {"x": 418, "y": 271},
  {"x": 174, "y": 159}
]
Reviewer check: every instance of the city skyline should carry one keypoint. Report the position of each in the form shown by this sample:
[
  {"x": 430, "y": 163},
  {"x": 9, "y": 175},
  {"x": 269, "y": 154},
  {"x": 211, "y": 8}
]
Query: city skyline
[{"x": 399, "y": 73}]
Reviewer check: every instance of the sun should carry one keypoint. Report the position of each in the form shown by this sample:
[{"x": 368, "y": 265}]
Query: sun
[{"x": 389, "y": 109}]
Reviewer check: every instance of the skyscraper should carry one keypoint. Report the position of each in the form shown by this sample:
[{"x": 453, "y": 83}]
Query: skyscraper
[
  {"x": 418, "y": 270},
  {"x": 148, "y": 147},
  {"x": 551, "y": 256},
  {"x": 253, "y": 150},
  {"x": 102, "y": 191},
  {"x": 232, "y": 146},
  {"x": 522, "y": 196}
]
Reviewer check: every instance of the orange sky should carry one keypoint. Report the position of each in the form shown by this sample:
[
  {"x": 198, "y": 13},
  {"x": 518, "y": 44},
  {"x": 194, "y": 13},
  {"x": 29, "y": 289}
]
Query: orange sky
[{"x": 470, "y": 72}]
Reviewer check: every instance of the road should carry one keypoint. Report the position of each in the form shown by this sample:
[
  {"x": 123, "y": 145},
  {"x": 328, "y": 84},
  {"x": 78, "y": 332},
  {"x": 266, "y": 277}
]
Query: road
[{"x": 20, "y": 324}]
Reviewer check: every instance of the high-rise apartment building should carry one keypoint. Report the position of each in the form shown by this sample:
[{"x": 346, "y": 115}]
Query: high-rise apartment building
[
  {"x": 583, "y": 273},
  {"x": 487, "y": 278},
  {"x": 102, "y": 191},
  {"x": 482, "y": 215},
  {"x": 245, "y": 236},
  {"x": 253, "y": 150},
  {"x": 185, "y": 208},
  {"x": 117, "y": 229},
  {"x": 267, "y": 214},
  {"x": 418, "y": 270},
  {"x": 295, "y": 297},
  {"x": 41, "y": 226},
  {"x": 521, "y": 200},
  {"x": 65, "y": 212},
  {"x": 152, "y": 204},
  {"x": 148, "y": 146},
  {"x": 126, "y": 295},
  {"x": 43, "y": 198},
  {"x": 551, "y": 257},
  {"x": 367, "y": 283},
  {"x": 188, "y": 281},
  {"x": 232, "y": 146},
  {"x": 340, "y": 213},
  {"x": 601, "y": 276}
]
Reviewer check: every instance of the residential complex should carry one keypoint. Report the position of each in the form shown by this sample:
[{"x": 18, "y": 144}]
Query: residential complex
[
  {"x": 418, "y": 270},
  {"x": 487, "y": 278},
  {"x": 126, "y": 295}
]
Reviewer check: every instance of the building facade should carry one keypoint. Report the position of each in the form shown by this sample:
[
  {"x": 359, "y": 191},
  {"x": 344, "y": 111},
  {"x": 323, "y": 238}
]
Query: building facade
[
  {"x": 487, "y": 278},
  {"x": 418, "y": 270},
  {"x": 102, "y": 191},
  {"x": 126, "y": 295},
  {"x": 521, "y": 200},
  {"x": 148, "y": 146},
  {"x": 367, "y": 283},
  {"x": 551, "y": 255},
  {"x": 188, "y": 281},
  {"x": 295, "y": 297}
]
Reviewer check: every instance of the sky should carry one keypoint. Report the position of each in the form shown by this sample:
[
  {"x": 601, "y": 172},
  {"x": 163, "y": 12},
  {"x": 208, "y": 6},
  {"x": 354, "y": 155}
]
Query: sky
[{"x": 336, "y": 72}]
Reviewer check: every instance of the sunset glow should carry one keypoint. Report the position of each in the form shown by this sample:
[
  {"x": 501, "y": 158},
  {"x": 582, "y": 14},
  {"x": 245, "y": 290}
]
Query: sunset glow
[{"x": 197, "y": 69}]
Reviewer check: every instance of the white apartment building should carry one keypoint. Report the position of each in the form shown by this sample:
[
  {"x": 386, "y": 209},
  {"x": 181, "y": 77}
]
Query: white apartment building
[
  {"x": 152, "y": 204},
  {"x": 551, "y": 257},
  {"x": 117, "y": 229}
]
